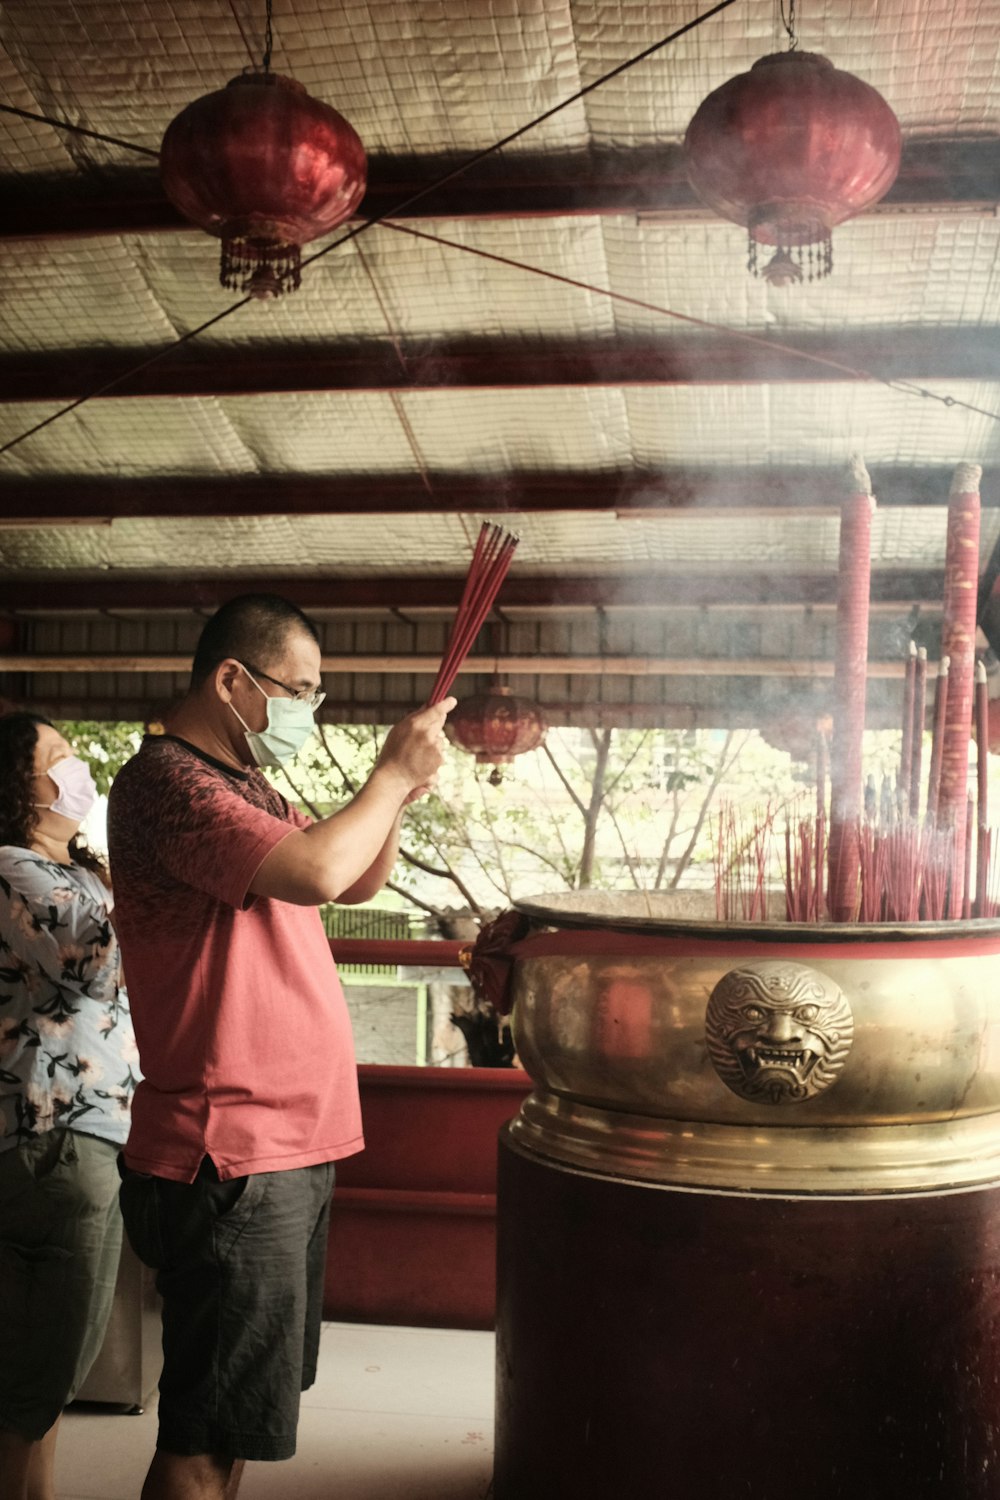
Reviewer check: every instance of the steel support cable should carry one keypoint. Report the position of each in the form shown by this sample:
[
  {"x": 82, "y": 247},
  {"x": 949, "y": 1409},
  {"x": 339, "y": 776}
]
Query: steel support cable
[{"x": 759, "y": 341}]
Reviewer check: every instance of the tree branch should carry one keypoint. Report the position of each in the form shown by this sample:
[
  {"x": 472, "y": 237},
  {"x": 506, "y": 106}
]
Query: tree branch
[
  {"x": 603, "y": 744},
  {"x": 496, "y": 843},
  {"x": 615, "y": 780},
  {"x": 542, "y": 858},
  {"x": 625, "y": 849},
  {"x": 400, "y": 890},
  {"x": 661, "y": 868},
  {"x": 314, "y": 811},
  {"x": 349, "y": 785},
  {"x": 581, "y": 805},
  {"x": 442, "y": 874}
]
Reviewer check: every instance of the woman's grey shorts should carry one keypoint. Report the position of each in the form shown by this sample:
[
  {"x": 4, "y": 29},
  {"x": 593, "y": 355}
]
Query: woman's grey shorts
[
  {"x": 60, "y": 1240},
  {"x": 240, "y": 1266}
]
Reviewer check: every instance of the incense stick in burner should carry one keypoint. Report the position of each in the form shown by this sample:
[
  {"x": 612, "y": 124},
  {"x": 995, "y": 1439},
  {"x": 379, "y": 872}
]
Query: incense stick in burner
[
  {"x": 906, "y": 755},
  {"x": 937, "y": 741},
  {"x": 919, "y": 716}
]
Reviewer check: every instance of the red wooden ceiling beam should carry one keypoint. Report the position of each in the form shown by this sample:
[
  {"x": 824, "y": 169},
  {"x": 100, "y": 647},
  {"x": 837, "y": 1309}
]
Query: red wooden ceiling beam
[
  {"x": 665, "y": 589},
  {"x": 643, "y": 179},
  {"x": 671, "y": 359},
  {"x": 797, "y": 488}
]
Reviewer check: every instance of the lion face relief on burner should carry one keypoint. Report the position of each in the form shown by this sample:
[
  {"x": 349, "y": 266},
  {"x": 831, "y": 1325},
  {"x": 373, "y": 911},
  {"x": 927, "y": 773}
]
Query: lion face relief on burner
[{"x": 778, "y": 1032}]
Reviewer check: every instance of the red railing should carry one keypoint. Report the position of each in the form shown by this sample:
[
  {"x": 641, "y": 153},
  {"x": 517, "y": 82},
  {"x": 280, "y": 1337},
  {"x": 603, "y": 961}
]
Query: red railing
[{"x": 441, "y": 953}]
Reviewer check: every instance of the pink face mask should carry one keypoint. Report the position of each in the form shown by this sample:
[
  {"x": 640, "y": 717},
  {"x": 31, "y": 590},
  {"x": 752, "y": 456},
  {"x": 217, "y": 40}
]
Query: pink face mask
[{"x": 77, "y": 791}]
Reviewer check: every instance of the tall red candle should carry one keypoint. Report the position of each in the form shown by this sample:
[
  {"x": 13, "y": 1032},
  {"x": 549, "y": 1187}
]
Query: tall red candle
[{"x": 958, "y": 642}]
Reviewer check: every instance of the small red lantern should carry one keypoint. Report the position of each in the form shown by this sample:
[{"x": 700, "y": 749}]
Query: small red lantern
[
  {"x": 494, "y": 727},
  {"x": 790, "y": 149},
  {"x": 266, "y": 168},
  {"x": 798, "y": 735}
]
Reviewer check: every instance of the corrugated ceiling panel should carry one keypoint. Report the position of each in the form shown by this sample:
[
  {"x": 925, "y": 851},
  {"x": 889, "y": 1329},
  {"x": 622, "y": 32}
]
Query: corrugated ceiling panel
[
  {"x": 124, "y": 438},
  {"x": 122, "y": 67},
  {"x": 458, "y": 75},
  {"x": 425, "y": 289},
  {"x": 654, "y": 100},
  {"x": 894, "y": 45},
  {"x": 136, "y": 290},
  {"x": 931, "y": 271},
  {"x": 74, "y": 548},
  {"x": 323, "y": 433},
  {"x": 413, "y": 78},
  {"x": 88, "y": 292},
  {"x": 812, "y": 423},
  {"x": 902, "y": 537},
  {"x": 436, "y": 77},
  {"x": 25, "y": 146},
  {"x": 493, "y": 431}
]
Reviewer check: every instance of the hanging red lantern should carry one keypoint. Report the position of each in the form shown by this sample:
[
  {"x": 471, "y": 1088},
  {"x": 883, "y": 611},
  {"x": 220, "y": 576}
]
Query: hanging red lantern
[
  {"x": 496, "y": 726},
  {"x": 266, "y": 168},
  {"x": 797, "y": 734},
  {"x": 791, "y": 149}
]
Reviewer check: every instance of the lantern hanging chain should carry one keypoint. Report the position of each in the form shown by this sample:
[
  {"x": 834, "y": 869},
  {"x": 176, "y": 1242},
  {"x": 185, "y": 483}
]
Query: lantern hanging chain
[
  {"x": 789, "y": 24},
  {"x": 771, "y": 346},
  {"x": 269, "y": 36},
  {"x": 365, "y": 224}
]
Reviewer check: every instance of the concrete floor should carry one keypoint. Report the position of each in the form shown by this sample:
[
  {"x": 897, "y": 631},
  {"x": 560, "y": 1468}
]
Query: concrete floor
[{"x": 395, "y": 1414}]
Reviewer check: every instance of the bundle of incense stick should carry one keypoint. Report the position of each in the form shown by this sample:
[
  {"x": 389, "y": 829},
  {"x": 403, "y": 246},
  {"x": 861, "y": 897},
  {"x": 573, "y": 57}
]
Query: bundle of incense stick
[
  {"x": 743, "y": 857},
  {"x": 805, "y": 868},
  {"x": 908, "y": 869},
  {"x": 487, "y": 571}
]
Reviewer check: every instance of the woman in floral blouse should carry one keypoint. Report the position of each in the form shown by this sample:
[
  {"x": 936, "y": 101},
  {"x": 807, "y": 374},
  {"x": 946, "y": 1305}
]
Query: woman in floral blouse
[{"x": 67, "y": 1072}]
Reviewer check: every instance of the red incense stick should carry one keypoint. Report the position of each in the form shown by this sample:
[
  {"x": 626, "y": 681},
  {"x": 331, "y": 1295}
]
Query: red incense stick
[
  {"x": 906, "y": 756},
  {"x": 919, "y": 716},
  {"x": 937, "y": 741},
  {"x": 491, "y": 559}
]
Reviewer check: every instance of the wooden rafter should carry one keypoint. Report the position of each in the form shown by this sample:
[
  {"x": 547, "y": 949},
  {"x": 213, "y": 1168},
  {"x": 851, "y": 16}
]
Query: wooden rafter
[
  {"x": 645, "y": 179},
  {"x": 466, "y": 364}
]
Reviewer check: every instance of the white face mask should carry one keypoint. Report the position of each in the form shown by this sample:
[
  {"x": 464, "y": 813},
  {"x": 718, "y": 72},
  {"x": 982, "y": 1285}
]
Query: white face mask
[
  {"x": 290, "y": 722},
  {"x": 77, "y": 791}
]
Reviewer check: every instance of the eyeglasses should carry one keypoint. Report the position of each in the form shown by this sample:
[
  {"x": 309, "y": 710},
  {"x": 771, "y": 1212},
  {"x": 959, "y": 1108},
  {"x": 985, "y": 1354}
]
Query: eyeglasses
[{"x": 311, "y": 696}]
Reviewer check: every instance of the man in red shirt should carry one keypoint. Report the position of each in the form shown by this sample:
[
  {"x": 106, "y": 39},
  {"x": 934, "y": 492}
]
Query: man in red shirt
[{"x": 250, "y": 1087}]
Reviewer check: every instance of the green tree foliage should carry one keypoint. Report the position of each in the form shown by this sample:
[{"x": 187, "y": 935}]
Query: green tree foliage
[
  {"x": 105, "y": 747},
  {"x": 605, "y": 808}
]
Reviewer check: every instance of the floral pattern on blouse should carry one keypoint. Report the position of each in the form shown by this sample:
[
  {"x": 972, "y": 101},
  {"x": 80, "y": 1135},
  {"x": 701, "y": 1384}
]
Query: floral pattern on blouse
[{"x": 67, "y": 1050}]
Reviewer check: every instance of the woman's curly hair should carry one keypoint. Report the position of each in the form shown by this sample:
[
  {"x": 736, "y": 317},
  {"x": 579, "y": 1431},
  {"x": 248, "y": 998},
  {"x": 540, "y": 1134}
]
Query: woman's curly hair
[{"x": 18, "y": 813}]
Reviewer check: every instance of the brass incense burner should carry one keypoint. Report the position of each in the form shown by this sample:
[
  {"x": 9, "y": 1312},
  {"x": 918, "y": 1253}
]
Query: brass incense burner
[{"x": 758, "y": 1057}]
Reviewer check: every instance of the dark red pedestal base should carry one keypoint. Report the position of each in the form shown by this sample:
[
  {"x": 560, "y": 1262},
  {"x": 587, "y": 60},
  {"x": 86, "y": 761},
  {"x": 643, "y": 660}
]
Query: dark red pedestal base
[
  {"x": 662, "y": 1345},
  {"x": 413, "y": 1226}
]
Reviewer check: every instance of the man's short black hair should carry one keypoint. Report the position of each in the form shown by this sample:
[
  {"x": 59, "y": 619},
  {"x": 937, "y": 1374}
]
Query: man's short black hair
[{"x": 252, "y": 628}]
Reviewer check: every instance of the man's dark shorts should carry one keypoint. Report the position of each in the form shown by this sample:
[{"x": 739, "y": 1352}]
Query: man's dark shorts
[{"x": 240, "y": 1267}]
